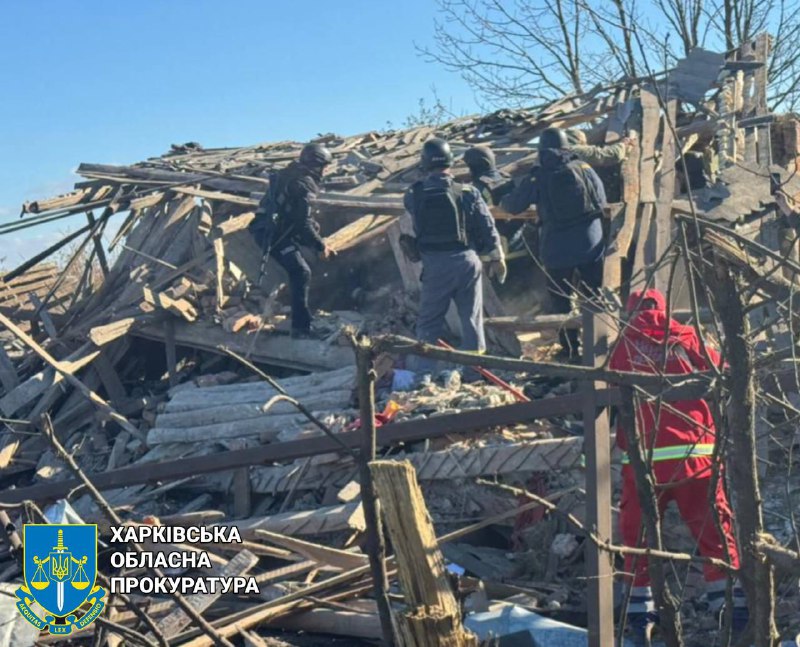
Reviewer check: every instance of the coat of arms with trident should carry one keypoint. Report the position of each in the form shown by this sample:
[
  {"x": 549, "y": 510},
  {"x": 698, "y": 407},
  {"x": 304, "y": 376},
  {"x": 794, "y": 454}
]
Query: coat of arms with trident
[{"x": 60, "y": 579}]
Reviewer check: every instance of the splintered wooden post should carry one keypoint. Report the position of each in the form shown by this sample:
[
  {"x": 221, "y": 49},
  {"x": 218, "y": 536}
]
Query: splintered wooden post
[
  {"x": 432, "y": 617},
  {"x": 599, "y": 569},
  {"x": 376, "y": 546},
  {"x": 666, "y": 192}
]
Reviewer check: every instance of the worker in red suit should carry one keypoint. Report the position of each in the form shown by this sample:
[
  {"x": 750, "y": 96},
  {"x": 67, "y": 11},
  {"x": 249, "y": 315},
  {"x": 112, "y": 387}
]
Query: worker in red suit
[{"x": 682, "y": 436}]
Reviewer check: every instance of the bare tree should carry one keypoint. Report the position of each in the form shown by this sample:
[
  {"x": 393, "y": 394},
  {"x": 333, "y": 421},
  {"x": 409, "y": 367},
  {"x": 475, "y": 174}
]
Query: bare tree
[{"x": 530, "y": 51}]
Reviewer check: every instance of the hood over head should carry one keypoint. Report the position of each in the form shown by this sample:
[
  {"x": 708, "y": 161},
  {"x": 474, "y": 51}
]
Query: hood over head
[{"x": 638, "y": 296}]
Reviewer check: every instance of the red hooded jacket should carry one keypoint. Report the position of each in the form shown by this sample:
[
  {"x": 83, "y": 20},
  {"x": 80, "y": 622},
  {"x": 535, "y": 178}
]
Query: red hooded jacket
[{"x": 640, "y": 348}]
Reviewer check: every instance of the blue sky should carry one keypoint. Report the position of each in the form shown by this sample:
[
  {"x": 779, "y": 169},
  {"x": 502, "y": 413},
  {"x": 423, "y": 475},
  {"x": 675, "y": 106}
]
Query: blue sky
[{"x": 116, "y": 82}]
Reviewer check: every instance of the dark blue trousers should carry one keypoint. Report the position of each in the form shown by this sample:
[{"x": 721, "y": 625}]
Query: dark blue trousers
[{"x": 457, "y": 277}]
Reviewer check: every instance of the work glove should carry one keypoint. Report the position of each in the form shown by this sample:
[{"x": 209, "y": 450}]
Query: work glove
[
  {"x": 496, "y": 265},
  {"x": 498, "y": 270}
]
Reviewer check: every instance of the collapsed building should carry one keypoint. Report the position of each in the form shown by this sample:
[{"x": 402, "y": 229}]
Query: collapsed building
[{"x": 158, "y": 357}]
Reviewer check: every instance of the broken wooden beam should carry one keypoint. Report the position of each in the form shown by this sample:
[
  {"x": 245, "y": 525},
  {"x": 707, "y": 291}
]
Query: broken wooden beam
[
  {"x": 270, "y": 348},
  {"x": 432, "y": 617}
]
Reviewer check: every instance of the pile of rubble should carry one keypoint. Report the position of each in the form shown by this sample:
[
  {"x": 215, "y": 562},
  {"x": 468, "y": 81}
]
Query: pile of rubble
[{"x": 174, "y": 384}]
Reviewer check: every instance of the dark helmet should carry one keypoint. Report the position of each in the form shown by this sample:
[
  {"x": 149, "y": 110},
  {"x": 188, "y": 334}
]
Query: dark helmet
[
  {"x": 315, "y": 156},
  {"x": 552, "y": 138},
  {"x": 436, "y": 154},
  {"x": 479, "y": 158}
]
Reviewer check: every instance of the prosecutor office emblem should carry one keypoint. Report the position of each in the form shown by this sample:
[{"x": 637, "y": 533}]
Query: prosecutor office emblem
[{"x": 60, "y": 570}]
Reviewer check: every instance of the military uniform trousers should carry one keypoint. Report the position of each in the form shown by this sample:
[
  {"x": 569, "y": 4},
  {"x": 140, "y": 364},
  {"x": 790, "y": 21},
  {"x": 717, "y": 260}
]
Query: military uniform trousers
[{"x": 451, "y": 276}]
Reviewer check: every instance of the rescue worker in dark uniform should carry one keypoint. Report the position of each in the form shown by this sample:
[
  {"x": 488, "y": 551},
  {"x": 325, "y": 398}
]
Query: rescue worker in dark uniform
[
  {"x": 493, "y": 186},
  {"x": 569, "y": 199},
  {"x": 453, "y": 226},
  {"x": 284, "y": 223}
]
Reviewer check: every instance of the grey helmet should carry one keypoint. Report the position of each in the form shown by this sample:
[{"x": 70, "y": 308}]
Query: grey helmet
[
  {"x": 552, "y": 138},
  {"x": 436, "y": 154},
  {"x": 315, "y": 156}
]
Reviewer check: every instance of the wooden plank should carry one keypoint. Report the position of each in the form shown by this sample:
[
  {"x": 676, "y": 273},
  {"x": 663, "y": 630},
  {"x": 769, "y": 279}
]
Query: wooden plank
[
  {"x": 179, "y": 307},
  {"x": 339, "y": 559},
  {"x": 666, "y": 192},
  {"x": 219, "y": 260},
  {"x": 300, "y": 354},
  {"x": 643, "y": 245},
  {"x": 432, "y": 616},
  {"x": 172, "y": 623},
  {"x": 599, "y": 566},
  {"x": 631, "y": 187},
  {"x": 107, "y": 333},
  {"x": 307, "y": 522},
  {"x": 43, "y": 272},
  {"x": 764, "y": 141},
  {"x": 409, "y": 272},
  {"x": 97, "y": 241},
  {"x": 110, "y": 379},
  {"x": 38, "y": 383},
  {"x": 650, "y": 123},
  {"x": 359, "y": 231},
  {"x": 8, "y": 373}
]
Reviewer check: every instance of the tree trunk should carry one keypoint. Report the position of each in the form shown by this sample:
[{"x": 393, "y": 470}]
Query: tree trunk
[{"x": 756, "y": 573}]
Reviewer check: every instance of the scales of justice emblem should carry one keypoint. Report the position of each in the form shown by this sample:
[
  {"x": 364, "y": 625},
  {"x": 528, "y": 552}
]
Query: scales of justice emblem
[{"x": 60, "y": 573}]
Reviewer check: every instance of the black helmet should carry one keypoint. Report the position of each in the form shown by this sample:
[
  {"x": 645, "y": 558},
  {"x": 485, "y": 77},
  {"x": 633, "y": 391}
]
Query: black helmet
[
  {"x": 552, "y": 138},
  {"x": 315, "y": 156},
  {"x": 436, "y": 154},
  {"x": 480, "y": 159}
]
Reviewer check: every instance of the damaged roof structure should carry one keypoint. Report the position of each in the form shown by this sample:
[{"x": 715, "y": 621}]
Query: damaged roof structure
[{"x": 162, "y": 362}]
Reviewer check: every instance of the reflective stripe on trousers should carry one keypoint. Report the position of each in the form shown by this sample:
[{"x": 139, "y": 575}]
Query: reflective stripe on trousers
[{"x": 677, "y": 452}]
